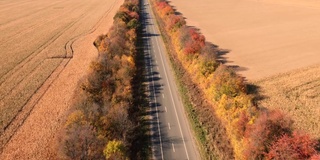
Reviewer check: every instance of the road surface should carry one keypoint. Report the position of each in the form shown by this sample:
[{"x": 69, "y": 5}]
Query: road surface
[{"x": 171, "y": 135}]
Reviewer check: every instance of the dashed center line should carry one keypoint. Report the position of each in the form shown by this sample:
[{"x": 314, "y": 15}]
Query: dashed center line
[
  {"x": 156, "y": 30},
  {"x": 173, "y": 147},
  {"x": 166, "y": 109},
  {"x": 162, "y": 95},
  {"x": 169, "y": 126},
  {"x": 153, "y": 93}
]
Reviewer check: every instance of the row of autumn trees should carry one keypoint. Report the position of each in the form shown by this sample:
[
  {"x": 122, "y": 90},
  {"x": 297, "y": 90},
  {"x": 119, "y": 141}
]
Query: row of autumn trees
[
  {"x": 105, "y": 120},
  {"x": 253, "y": 132}
]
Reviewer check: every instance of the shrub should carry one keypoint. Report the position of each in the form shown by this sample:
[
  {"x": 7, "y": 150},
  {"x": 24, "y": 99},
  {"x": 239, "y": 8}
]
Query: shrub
[
  {"x": 297, "y": 146},
  {"x": 208, "y": 67},
  {"x": 251, "y": 130},
  {"x": 241, "y": 124},
  {"x": 315, "y": 157},
  {"x": 101, "y": 105},
  {"x": 115, "y": 150},
  {"x": 81, "y": 142},
  {"x": 268, "y": 128},
  {"x": 194, "y": 42},
  {"x": 116, "y": 123},
  {"x": 133, "y": 24},
  {"x": 122, "y": 16},
  {"x": 227, "y": 82},
  {"x": 175, "y": 22}
]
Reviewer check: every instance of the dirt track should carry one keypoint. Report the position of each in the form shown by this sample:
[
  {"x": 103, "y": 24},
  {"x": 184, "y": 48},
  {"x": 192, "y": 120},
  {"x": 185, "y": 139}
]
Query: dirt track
[
  {"x": 265, "y": 37},
  {"x": 37, "y": 39}
]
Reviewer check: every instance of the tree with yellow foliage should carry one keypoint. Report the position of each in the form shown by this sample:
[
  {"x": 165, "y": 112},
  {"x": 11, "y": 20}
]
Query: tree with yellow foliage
[{"x": 115, "y": 150}]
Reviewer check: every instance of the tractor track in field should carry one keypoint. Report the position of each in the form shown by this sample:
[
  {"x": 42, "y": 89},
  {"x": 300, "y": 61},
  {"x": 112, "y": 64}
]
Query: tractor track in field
[{"x": 11, "y": 130}]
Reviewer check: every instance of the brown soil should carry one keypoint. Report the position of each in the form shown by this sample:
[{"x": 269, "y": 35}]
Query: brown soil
[{"x": 50, "y": 41}]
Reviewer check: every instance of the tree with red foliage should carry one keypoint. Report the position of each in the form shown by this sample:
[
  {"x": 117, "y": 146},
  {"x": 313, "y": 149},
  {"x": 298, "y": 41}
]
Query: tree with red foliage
[
  {"x": 197, "y": 37},
  {"x": 162, "y": 4},
  {"x": 297, "y": 146},
  {"x": 134, "y": 15},
  {"x": 194, "y": 41},
  {"x": 241, "y": 125},
  {"x": 175, "y": 22},
  {"x": 164, "y": 8},
  {"x": 315, "y": 157},
  {"x": 267, "y": 129}
]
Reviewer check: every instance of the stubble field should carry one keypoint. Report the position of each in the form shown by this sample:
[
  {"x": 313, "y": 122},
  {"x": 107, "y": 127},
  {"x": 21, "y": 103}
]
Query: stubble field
[
  {"x": 46, "y": 47},
  {"x": 297, "y": 93},
  {"x": 273, "y": 44}
]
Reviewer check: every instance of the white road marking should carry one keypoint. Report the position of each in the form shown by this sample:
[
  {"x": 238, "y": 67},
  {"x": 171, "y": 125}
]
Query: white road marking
[
  {"x": 169, "y": 126},
  {"x": 165, "y": 72},
  {"x": 166, "y": 109},
  {"x": 162, "y": 95},
  {"x": 154, "y": 93},
  {"x": 173, "y": 147}
]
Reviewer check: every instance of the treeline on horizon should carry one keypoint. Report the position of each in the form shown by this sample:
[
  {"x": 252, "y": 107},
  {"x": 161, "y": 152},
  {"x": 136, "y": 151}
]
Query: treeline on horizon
[
  {"x": 252, "y": 132},
  {"x": 105, "y": 120}
]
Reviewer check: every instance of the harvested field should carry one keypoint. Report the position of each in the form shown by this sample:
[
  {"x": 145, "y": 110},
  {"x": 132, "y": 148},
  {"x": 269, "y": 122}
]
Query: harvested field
[
  {"x": 46, "y": 47},
  {"x": 274, "y": 44},
  {"x": 265, "y": 37},
  {"x": 297, "y": 93}
]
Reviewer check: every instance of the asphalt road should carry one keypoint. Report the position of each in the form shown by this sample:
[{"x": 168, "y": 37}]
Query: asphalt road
[{"x": 171, "y": 134}]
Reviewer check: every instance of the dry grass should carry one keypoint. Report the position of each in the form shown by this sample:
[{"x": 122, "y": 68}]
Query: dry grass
[{"x": 296, "y": 93}]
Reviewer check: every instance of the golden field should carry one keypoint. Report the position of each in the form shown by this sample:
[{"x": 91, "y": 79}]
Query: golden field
[
  {"x": 297, "y": 93},
  {"x": 46, "y": 48},
  {"x": 273, "y": 44}
]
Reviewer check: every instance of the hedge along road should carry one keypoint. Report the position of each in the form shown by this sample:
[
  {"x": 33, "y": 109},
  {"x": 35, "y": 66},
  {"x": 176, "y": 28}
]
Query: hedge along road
[
  {"x": 43, "y": 30},
  {"x": 171, "y": 135}
]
